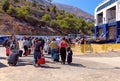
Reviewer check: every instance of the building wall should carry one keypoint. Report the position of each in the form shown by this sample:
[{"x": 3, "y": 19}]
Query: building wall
[
  {"x": 118, "y": 11},
  {"x": 104, "y": 11}
]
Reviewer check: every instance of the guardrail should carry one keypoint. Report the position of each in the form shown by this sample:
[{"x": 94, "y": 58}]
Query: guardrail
[{"x": 94, "y": 48}]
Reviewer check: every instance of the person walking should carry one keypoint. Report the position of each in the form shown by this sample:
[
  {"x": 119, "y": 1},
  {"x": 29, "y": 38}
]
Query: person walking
[
  {"x": 14, "y": 44},
  {"x": 38, "y": 51},
  {"x": 63, "y": 47},
  {"x": 53, "y": 47},
  {"x": 82, "y": 42},
  {"x": 25, "y": 46},
  {"x": 14, "y": 51}
]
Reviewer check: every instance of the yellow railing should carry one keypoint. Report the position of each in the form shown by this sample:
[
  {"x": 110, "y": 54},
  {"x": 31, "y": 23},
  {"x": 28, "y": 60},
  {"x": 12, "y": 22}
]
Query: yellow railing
[{"x": 94, "y": 48}]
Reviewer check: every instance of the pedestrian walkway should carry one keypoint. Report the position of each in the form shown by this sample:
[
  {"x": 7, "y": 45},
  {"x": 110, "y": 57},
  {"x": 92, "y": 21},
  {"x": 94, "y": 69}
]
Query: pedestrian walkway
[{"x": 83, "y": 68}]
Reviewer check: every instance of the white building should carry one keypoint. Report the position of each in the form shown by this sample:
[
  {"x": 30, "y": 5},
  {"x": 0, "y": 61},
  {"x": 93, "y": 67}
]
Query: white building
[{"x": 107, "y": 20}]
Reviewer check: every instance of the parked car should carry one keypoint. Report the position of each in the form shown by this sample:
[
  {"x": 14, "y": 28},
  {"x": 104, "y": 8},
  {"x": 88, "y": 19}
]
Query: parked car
[{"x": 2, "y": 39}]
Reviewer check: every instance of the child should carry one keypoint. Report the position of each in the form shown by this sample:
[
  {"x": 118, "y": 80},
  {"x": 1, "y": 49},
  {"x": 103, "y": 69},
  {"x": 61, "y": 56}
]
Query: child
[{"x": 69, "y": 55}]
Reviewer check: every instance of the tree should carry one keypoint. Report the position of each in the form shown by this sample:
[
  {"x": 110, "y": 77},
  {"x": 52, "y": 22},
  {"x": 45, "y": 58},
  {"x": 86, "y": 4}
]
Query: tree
[
  {"x": 12, "y": 11},
  {"x": 54, "y": 9},
  {"x": 53, "y": 23},
  {"x": 23, "y": 12},
  {"x": 5, "y": 5},
  {"x": 90, "y": 27},
  {"x": 63, "y": 24},
  {"x": 46, "y": 17},
  {"x": 60, "y": 17}
]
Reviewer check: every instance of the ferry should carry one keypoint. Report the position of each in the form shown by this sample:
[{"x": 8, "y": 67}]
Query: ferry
[{"x": 107, "y": 21}]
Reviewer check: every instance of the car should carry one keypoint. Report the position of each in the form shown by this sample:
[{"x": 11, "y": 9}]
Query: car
[{"x": 2, "y": 39}]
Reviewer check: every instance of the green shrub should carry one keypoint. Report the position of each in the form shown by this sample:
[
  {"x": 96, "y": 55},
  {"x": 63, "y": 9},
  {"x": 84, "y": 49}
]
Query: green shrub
[
  {"x": 12, "y": 10},
  {"x": 5, "y": 5},
  {"x": 23, "y": 12},
  {"x": 46, "y": 17}
]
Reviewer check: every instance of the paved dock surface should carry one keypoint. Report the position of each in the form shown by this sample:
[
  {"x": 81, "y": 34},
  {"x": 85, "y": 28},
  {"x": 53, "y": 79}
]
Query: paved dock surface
[{"x": 92, "y": 67}]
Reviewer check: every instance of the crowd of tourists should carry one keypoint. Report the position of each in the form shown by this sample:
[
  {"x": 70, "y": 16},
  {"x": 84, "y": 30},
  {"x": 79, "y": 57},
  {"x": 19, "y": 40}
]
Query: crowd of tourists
[{"x": 58, "y": 48}]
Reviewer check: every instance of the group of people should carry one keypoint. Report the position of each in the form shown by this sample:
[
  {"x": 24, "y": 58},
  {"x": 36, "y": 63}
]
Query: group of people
[
  {"x": 56, "y": 47},
  {"x": 60, "y": 48}
]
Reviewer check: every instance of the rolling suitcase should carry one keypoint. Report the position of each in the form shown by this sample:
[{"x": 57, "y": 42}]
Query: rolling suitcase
[
  {"x": 69, "y": 57},
  {"x": 20, "y": 53},
  {"x": 13, "y": 58},
  {"x": 29, "y": 49},
  {"x": 27, "y": 52},
  {"x": 56, "y": 57}
]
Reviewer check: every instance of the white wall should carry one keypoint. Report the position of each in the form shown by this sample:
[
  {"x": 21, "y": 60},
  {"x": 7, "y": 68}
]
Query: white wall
[
  {"x": 118, "y": 11},
  {"x": 105, "y": 12}
]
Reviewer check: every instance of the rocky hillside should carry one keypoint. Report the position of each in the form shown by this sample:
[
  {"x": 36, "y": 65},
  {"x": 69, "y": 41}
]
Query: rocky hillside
[
  {"x": 10, "y": 25},
  {"x": 41, "y": 2},
  {"x": 78, "y": 12}
]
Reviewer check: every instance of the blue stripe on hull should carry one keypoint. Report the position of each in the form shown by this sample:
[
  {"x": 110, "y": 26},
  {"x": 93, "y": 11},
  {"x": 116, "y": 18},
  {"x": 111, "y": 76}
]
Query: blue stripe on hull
[{"x": 105, "y": 28}]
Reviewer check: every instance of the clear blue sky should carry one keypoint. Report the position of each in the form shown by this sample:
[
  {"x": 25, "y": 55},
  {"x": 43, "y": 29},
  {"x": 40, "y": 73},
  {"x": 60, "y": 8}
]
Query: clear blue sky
[{"x": 85, "y": 5}]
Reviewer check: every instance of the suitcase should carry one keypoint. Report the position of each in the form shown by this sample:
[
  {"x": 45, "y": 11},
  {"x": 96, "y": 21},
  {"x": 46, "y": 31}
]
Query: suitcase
[
  {"x": 13, "y": 58},
  {"x": 29, "y": 51},
  {"x": 7, "y": 51},
  {"x": 20, "y": 53},
  {"x": 69, "y": 57},
  {"x": 56, "y": 57}
]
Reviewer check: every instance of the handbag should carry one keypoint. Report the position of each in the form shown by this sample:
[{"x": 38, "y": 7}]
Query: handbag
[{"x": 41, "y": 60}]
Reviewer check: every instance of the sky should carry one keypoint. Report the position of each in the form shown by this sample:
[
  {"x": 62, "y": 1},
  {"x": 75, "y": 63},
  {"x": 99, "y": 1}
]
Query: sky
[{"x": 85, "y": 5}]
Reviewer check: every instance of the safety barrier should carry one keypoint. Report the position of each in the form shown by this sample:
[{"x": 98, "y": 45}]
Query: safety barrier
[{"x": 94, "y": 48}]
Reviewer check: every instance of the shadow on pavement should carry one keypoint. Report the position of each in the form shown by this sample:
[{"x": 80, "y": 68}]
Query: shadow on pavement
[
  {"x": 24, "y": 62},
  {"x": 52, "y": 62},
  {"x": 103, "y": 68},
  {"x": 49, "y": 67},
  {"x": 77, "y": 65},
  {"x": 116, "y": 67},
  {"x": 2, "y": 65}
]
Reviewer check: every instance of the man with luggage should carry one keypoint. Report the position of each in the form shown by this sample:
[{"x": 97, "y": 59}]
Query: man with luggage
[{"x": 14, "y": 50}]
